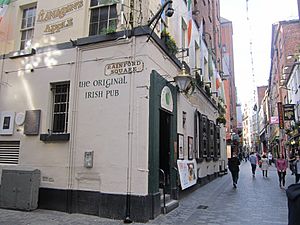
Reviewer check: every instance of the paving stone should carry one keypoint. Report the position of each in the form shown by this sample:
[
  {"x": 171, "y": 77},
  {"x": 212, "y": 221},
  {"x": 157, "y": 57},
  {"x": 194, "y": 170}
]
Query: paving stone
[{"x": 256, "y": 200}]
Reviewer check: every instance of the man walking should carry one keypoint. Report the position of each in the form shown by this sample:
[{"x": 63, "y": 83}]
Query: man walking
[
  {"x": 233, "y": 165},
  {"x": 253, "y": 162},
  {"x": 297, "y": 168}
]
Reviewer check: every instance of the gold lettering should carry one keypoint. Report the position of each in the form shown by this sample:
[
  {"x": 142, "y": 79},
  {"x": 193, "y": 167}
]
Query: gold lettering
[
  {"x": 40, "y": 16},
  {"x": 44, "y": 16},
  {"x": 53, "y": 28}
]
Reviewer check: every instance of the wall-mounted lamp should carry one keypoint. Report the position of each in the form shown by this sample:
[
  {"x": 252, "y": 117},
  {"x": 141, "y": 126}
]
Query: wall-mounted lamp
[
  {"x": 197, "y": 69},
  {"x": 196, "y": 12},
  {"x": 207, "y": 83},
  {"x": 282, "y": 82},
  {"x": 183, "y": 80},
  {"x": 295, "y": 56},
  {"x": 223, "y": 75},
  {"x": 183, "y": 51},
  {"x": 286, "y": 88},
  {"x": 215, "y": 92}
]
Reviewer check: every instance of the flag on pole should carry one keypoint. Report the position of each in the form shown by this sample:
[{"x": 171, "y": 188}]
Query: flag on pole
[
  {"x": 3, "y": 8},
  {"x": 190, "y": 24}
]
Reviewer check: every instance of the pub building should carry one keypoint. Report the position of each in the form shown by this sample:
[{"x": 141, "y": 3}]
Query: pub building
[{"x": 91, "y": 120}]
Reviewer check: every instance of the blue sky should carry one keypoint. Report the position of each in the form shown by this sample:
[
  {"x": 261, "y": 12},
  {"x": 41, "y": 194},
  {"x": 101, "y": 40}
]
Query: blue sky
[{"x": 262, "y": 14}]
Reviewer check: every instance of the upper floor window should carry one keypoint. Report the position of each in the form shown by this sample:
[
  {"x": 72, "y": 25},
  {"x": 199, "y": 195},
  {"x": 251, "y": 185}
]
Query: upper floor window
[
  {"x": 27, "y": 26},
  {"x": 183, "y": 34},
  {"x": 103, "y": 18}
]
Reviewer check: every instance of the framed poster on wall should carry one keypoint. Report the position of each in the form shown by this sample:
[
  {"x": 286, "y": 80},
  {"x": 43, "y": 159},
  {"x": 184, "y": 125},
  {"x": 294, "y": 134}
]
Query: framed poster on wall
[
  {"x": 190, "y": 147},
  {"x": 180, "y": 146},
  {"x": 7, "y": 123}
]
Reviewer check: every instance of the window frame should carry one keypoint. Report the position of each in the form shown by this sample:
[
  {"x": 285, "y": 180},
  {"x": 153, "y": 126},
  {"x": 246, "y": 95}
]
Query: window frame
[
  {"x": 109, "y": 19},
  {"x": 57, "y": 125},
  {"x": 24, "y": 28}
]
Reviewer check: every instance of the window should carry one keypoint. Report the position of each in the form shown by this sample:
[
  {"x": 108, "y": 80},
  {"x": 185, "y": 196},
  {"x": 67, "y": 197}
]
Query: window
[
  {"x": 211, "y": 138},
  {"x": 60, "y": 110},
  {"x": 209, "y": 11},
  {"x": 197, "y": 56},
  {"x": 183, "y": 34},
  {"x": 204, "y": 136},
  {"x": 103, "y": 18},
  {"x": 27, "y": 27}
]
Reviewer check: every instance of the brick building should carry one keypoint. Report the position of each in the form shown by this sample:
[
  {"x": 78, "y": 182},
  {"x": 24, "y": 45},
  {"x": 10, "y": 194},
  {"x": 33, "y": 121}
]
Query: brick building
[
  {"x": 285, "y": 42},
  {"x": 229, "y": 81}
]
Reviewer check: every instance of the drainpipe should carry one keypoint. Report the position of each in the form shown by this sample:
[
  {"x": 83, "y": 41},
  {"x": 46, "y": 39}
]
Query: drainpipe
[
  {"x": 130, "y": 134},
  {"x": 72, "y": 147}
]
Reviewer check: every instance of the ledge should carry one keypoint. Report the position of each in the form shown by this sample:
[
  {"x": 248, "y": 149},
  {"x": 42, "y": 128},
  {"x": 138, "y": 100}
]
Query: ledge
[
  {"x": 215, "y": 159},
  {"x": 208, "y": 159},
  {"x": 199, "y": 160},
  {"x": 54, "y": 137},
  {"x": 22, "y": 53}
]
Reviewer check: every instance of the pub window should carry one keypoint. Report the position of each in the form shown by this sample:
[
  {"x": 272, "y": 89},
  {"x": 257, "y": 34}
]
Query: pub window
[
  {"x": 211, "y": 138},
  {"x": 27, "y": 27},
  {"x": 218, "y": 143},
  {"x": 60, "y": 94},
  {"x": 200, "y": 135},
  {"x": 103, "y": 18},
  {"x": 204, "y": 135}
]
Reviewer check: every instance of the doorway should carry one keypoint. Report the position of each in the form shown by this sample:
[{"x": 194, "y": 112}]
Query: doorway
[{"x": 164, "y": 148}]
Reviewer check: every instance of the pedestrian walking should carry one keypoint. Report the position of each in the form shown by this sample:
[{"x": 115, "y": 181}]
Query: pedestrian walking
[
  {"x": 281, "y": 165},
  {"x": 292, "y": 159},
  {"x": 264, "y": 165},
  {"x": 270, "y": 158},
  {"x": 233, "y": 165},
  {"x": 253, "y": 162},
  {"x": 297, "y": 169}
]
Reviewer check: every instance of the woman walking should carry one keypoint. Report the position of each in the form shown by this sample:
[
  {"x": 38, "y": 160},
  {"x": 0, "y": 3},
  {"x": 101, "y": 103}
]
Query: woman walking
[
  {"x": 281, "y": 165},
  {"x": 264, "y": 165}
]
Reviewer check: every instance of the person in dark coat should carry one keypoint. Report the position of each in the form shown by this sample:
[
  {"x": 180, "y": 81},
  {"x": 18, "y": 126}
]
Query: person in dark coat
[{"x": 233, "y": 166}]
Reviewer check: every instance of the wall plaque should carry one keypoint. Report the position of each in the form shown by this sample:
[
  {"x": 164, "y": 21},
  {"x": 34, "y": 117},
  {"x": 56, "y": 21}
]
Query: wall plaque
[
  {"x": 32, "y": 122},
  {"x": 125, "y": 67}
]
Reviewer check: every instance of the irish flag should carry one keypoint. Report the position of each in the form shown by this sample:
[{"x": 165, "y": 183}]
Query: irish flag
[
  {"x": 190, "y": 24},
  {"x": 3, "y": 8}
]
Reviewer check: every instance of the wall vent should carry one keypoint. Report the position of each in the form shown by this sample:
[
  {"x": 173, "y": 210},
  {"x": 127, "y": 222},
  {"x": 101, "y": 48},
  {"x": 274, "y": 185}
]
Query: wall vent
[{"x": 9, "y": 152}]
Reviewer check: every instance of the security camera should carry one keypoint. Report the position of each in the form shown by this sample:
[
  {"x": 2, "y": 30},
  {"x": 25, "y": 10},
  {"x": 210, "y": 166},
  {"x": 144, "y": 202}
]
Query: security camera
[{"x": 169, "y": 10}]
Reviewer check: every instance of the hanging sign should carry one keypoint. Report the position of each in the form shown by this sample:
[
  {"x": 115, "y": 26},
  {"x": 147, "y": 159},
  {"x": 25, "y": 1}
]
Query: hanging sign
[
  {"x": 274, "y": 120},
  {"x": 280, "y": 115},
  {"x": 289, "y": 112}
]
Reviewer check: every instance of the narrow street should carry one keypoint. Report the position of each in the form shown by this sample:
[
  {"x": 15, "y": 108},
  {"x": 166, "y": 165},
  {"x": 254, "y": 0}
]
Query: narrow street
[{"x": 256, "y": 201}]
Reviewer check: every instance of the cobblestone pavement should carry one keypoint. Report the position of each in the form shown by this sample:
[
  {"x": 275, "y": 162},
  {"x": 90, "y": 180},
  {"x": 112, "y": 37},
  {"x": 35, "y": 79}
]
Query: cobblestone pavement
[{"x": 256, "y": 201}]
